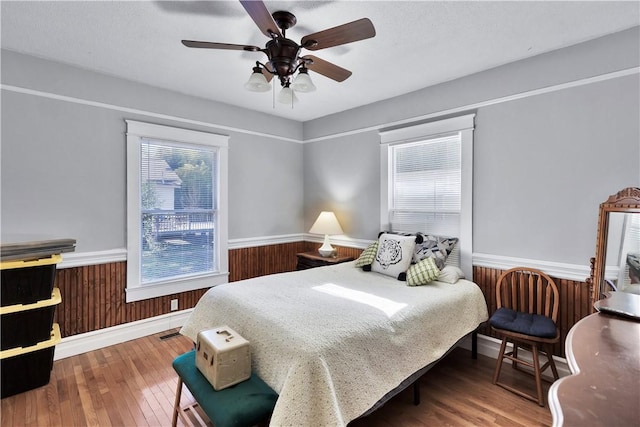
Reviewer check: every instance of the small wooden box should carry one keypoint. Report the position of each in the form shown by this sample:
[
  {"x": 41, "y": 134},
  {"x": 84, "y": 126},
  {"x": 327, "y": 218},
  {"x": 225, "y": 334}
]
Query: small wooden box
[{"x": 223, "y": 357}]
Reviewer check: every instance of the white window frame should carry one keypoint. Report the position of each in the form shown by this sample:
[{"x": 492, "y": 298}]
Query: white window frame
[
  {"x": 136, "y": 131},
  {"x": 462, "y": 124}
]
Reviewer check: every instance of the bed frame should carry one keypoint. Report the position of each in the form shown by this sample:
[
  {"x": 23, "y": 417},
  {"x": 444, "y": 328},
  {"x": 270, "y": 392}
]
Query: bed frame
[{"x": 414, "y": 379}]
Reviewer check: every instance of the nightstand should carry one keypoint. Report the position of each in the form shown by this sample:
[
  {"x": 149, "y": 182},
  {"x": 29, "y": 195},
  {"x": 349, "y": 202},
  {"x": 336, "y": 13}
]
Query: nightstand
[{"x": 313, "y": 259}]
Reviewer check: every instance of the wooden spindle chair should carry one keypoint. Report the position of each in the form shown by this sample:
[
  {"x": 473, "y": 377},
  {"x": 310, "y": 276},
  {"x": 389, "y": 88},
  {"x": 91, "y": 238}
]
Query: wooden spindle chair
[{"x": 526, "y": 315}]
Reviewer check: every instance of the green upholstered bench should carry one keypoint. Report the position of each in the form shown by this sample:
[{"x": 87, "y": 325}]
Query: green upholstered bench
[{"x": 245, "y": 404}]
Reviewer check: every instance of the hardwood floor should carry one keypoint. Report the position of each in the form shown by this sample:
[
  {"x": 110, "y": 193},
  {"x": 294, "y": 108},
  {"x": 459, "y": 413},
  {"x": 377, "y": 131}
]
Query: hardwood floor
[{"x": 133, "y": 384}]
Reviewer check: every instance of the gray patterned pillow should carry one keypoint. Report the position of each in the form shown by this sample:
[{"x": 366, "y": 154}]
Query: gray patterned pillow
[{"x": 435, "y": 247}]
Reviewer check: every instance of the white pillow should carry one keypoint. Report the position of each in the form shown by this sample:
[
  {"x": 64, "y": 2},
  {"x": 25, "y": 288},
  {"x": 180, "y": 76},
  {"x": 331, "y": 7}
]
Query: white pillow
[
  {"x": 450, "y": 274},
  {"x": 394, "y": 255}
]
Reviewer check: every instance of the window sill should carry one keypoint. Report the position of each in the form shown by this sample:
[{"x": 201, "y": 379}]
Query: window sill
[{"x": 142, "y": 292}]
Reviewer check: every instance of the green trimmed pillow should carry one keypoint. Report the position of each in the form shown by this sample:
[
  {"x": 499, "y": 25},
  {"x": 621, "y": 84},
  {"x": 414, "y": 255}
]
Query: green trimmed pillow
[
  {"x": 368, "y": 255},
  {"x": 423, "y": 272}
]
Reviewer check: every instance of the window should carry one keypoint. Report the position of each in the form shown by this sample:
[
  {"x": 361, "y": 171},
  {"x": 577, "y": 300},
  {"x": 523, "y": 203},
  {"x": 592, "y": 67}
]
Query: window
[
  {"x": 177, "y": 210},
  {"x": 427, "y": 181}
]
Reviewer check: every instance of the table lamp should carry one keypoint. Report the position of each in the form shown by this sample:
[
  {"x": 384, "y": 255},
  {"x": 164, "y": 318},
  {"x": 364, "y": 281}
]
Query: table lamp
[{"x": 326, "y": 224}]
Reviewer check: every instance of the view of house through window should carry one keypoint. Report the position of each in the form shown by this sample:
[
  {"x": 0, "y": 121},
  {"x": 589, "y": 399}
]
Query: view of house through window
[{"x": 178, "y": 210}]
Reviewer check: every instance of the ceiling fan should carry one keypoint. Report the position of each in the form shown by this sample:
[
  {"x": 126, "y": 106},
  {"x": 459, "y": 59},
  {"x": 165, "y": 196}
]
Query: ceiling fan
[{"x": 283, "y": 54}]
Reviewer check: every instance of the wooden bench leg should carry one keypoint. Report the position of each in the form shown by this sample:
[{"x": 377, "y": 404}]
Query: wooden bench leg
[{"x": 176, "y": 405}]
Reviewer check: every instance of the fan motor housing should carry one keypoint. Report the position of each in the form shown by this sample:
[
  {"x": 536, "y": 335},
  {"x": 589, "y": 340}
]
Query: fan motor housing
[{"x": 283, "y": 56}]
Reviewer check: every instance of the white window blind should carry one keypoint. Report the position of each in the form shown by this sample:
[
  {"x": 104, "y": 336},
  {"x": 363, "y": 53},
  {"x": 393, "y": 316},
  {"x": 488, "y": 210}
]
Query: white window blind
[
  {"x": 426, "y": 186},
  {"x": 178, "y": 210},
  {"x": 426, "y": 182}
]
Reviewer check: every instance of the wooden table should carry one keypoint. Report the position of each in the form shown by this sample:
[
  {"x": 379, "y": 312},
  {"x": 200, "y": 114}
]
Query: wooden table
[
  {"x": 603, "y": 353},
  {"x": 313, "y": 259}
]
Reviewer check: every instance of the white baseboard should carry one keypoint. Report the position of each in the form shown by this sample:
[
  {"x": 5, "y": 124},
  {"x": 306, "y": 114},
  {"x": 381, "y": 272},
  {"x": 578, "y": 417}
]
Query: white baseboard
[
  {"x": 82, "y": 343},
  {"x": 490, "y": 347}
]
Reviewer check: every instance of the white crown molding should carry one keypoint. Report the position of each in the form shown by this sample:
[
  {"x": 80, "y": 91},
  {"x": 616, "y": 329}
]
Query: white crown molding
[
  {"x": 341, "y": 240},
  {"x": 94, "y": 340},
  {"x": 81, "y": 259},
  {"x": 456, "y": 110},
  {"x": 486, "y": 103},
  {"x": 135, "y": 111},
  {"x": 264, "y": 241},
  {"x": 554, "y": 269}
]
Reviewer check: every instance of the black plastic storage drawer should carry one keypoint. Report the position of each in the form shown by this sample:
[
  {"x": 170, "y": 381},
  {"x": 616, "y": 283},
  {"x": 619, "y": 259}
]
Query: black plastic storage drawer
[
  {"x": 27, "y": 368},
  {"x": 26, "y": 282},
  {"x": 24, "y": 325}
]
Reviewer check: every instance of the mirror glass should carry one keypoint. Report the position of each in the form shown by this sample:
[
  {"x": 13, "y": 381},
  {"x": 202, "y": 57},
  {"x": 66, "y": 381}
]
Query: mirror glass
[{"x": 622, "y": 264}]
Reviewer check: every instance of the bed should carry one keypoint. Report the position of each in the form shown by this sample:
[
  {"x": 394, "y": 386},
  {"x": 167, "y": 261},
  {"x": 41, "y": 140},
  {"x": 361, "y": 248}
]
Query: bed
[{"x": 336, "y": 341}]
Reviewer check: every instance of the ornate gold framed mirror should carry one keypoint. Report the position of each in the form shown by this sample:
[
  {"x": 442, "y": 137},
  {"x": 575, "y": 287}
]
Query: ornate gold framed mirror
[{"x": 616, "y": 266}]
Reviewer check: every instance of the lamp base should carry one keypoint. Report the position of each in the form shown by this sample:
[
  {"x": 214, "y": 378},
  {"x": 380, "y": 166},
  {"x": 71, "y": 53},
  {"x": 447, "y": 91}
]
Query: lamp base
[
  {"x": 326, "y": 250},
  {"x": 326, "y": 253}
]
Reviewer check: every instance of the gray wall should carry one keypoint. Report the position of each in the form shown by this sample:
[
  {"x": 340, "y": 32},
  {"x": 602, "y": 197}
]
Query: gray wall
[
  {"x": 542, "y": 163},
  {"x": 343, "y": 175},
  {"x": 64, "y": 163}
]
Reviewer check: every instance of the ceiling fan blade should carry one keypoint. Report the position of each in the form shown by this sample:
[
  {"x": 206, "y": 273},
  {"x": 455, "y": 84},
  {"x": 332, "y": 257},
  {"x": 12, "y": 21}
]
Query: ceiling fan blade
[
  {"x": 227, "y": 46},
  {"x": 327, "y": 69},
  {"x": 342, "y": 34},
  {"x": 261, "y": 16}
]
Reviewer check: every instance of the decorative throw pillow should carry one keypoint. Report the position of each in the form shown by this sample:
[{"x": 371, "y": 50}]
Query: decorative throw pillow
[
  {"x": 394, "y": 255},
  {"x": 423, "y": 272},
  {"x": 367, "y": 256},
  {"x": 435, "y": 247},
  {"x": 418, "y": 236},
  {"x": 450, "y": 274}
]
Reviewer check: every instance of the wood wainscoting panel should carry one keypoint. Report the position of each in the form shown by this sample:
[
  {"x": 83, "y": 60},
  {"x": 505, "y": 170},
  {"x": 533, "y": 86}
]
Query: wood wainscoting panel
[
  {"x": 93, "y": 297},
  {"x": 245, "y": 263},
  {"x": 574, "y": 302}
]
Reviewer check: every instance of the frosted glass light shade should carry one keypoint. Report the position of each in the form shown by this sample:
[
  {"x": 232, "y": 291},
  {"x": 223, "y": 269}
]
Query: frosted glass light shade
[
  {"x": 326, "y": 224},
  {"x": 303, "y": 83},
  {"x": 257, "y": 83},
  {"x": 287, "y": 96}
]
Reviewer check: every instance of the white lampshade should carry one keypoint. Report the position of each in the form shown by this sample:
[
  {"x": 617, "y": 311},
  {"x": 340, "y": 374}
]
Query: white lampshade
[
  {"x": 302, "y": 82},
  {"x": 257, "y": 83},
  {"x": 287, "y": 96},
  {"x": 326, "y": 224}
]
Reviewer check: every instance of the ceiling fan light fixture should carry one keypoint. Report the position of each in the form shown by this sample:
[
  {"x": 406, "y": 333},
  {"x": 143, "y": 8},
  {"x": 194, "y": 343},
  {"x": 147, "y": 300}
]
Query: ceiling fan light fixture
[
  {"x": 283, "y": 54},
  {"x": 287, "y": 96},
  {"x": 257, "y": 82},
  {"x": 302, "y": 82}
]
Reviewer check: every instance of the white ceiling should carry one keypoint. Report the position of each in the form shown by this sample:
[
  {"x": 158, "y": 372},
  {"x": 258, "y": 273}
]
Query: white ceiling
[{"x": 418, "y": 43}]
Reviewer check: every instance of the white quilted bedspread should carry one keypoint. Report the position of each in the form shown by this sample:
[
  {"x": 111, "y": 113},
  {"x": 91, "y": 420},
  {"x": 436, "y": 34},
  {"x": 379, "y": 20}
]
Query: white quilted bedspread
[{"x": 334, "y": 340}]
